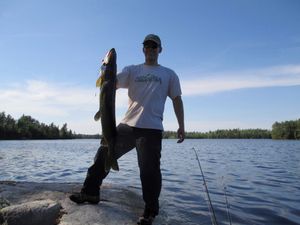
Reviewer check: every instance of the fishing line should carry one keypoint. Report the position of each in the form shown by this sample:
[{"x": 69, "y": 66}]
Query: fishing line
[
  {"x": 227, "y": 203},
  {"x": 210, "y": 206}
]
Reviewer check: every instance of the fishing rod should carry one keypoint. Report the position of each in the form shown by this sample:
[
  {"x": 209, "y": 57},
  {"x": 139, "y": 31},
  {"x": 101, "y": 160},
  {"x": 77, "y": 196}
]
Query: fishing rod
[{"x": 210, "y": 206}]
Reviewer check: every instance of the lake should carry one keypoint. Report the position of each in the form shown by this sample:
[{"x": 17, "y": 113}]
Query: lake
[{"x": 261, "y": 178}]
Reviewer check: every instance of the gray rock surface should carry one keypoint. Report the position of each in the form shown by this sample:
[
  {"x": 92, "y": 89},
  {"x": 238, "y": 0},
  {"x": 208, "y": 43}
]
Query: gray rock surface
[
  {"x": 3, "y": 203},
  {"x": 44, "y": 212},
  {"x": 118, "y": 205}
]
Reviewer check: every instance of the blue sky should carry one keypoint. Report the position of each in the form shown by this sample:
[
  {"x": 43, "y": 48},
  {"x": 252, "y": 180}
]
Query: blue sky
[{"x": 238, "y": 60}]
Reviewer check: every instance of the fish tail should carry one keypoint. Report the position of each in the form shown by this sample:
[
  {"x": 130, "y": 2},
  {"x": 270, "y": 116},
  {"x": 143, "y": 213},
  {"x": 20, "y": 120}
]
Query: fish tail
[
  {"x": 97, "y": 115},
  {"x": 107, "y": 165},
  {"x": 114, "y": 165},
  {"x": 111, "y": 164}
]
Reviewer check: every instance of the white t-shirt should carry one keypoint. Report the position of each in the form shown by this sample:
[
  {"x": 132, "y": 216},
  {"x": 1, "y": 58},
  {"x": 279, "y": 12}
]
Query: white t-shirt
[{"x": 148, "y": 88}]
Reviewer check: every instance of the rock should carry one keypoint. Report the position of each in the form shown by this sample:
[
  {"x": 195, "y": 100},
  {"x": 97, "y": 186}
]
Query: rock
[
  {"x": 44, "y": 212},
  {"x": 119, "y": 205},
  {"x": 3, "y": 203}
]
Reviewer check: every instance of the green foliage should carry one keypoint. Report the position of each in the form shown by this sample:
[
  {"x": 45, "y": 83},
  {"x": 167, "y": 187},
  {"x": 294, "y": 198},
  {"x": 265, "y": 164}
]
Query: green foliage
[
  {"x": 224, "y": 134},
  {"x": 87, "y": 136},
  {"x": 27, "y": 127},
  {"x": 286, "y": 130},
  {"x": 7, "y": 125}
]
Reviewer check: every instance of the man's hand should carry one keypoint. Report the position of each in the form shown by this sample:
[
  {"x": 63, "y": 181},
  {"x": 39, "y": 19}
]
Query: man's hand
[{"x": 180, "y": 135}]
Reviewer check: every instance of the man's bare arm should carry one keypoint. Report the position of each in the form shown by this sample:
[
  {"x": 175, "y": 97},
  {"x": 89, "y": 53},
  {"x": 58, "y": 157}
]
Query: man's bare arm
[{"x": 179, "y": 112}]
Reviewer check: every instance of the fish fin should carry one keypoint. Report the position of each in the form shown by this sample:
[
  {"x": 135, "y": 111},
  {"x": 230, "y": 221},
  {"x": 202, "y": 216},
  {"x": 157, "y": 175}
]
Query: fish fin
[
  {"x": 103, "y": 143},
  {"x": 99, "y": 81},
  {"x": 97, "y": 115},
  {"x": 114, "y": 165}
]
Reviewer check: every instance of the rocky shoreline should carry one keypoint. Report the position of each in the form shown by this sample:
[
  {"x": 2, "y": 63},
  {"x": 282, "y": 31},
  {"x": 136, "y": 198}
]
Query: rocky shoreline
[{"x": 32, "y": 203}]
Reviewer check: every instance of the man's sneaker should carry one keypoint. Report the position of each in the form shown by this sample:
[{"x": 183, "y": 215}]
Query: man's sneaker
[
  {"x": 80, "y": 197},
  {"x": 145, "y": 220}
]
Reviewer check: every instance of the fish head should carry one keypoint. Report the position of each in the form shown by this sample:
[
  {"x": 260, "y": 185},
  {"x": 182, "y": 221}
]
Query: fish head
[
  {"x": 110, "y": 57},
  {"x": 109, "y": 68}
]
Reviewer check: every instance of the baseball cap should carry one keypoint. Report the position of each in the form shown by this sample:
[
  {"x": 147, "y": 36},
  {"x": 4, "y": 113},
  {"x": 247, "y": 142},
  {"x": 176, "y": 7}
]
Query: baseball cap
[{"x": 154, "y": 38}]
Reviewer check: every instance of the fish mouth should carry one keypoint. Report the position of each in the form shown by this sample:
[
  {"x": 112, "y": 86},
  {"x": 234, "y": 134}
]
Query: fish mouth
[{"x": 109, "y": 56}]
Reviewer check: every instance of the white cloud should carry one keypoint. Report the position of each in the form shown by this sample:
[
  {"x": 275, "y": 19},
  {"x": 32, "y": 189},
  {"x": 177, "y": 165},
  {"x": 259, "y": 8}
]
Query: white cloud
[
  {"x": 75, "y": 105},
  {"x": 268, "y": 77},
  {"x": 87, "y": 125},
  {"x": 59, "y": 103}
]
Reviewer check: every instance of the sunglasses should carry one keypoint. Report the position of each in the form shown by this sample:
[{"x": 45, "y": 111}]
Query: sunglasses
[{"x": 151, "y": 45}]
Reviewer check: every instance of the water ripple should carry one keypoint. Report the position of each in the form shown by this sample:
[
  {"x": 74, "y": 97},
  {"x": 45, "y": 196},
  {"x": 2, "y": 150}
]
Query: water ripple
[{"x": 261, "y": 177}]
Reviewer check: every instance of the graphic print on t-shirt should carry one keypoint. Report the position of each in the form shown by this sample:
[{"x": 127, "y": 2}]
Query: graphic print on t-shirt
[{"x": 148, "y": 78}]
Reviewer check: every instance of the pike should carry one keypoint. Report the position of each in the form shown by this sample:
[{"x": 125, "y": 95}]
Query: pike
[{"x": 107, "y": 83}]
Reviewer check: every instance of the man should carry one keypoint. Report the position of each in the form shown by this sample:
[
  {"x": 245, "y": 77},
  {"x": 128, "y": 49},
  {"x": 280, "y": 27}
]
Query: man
[{"x": 148, "y": 86}]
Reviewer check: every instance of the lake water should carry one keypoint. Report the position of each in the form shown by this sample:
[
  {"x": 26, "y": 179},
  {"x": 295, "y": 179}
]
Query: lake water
[{"x": 261, "y": 177}]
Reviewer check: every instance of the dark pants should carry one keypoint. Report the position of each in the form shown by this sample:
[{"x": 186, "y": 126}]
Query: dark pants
[{"x": 148, "y": 145}]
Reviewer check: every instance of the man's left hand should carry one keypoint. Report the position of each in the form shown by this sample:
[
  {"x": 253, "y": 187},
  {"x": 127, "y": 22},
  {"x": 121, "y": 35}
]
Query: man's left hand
[{"x": 180, "y": 135}]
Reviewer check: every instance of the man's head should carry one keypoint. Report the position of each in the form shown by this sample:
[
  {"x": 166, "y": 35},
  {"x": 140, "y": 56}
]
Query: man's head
[
  {"x": 151, "y": 48},
  {"x": 152, "y": 41}
]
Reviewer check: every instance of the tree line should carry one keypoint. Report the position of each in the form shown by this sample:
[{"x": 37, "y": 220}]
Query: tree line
[
  {"x": 286, "y": 130},
  {"x": 224, "y": 134},
  {"x": 27, "y": 127}
]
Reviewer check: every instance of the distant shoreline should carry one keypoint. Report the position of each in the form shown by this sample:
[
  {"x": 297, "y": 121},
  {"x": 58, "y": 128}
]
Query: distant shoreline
[{"x": 28, "y": 128}]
